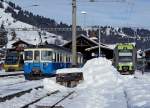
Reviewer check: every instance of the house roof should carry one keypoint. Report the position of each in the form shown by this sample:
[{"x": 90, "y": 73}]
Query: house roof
[
  {"x": 20, "y": 41},
  {"x": 96, "y": 47},
  {"x": 93, "y": 43},
  {"x": 86, "y": 38}
]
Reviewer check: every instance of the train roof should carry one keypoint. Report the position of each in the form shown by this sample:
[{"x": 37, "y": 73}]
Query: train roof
[
  {"x": 123, "y": 45},
  {"x": 49, "y": 46}
]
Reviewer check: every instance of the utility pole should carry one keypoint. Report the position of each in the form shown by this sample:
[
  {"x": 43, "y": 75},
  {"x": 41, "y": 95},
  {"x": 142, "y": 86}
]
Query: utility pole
[
  {"x": 99, "y": 40},
  {"x": 74, "y": 48}
]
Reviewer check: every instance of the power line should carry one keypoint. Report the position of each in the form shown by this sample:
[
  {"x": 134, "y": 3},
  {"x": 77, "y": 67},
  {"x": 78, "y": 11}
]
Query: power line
[{"x": 41, "y": 29}]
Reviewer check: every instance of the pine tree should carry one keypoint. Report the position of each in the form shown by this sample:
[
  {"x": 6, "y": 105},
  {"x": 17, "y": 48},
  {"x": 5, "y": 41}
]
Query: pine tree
[
  {"x": 1, "y": 5},
  {"x": 3, "y": 36},
  {"x": 13, "y": 34}
]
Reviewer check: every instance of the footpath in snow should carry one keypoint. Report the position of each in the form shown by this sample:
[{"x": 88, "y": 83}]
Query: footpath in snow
[
  {"x": 101, "y": 87},
  {"x": 137, "y": 90}
]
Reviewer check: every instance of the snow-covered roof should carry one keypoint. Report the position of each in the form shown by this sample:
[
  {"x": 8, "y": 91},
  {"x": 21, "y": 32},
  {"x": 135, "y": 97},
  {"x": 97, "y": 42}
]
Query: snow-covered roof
[
  {"x": 95, "y": 47},
  {"x": 148, "y": 49},
  {"x": 69, "y": 70},
  {"x": 81, "y": 35}
]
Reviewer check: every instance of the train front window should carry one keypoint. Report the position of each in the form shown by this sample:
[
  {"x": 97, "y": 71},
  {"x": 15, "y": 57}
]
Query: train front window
[
  {"x": 28, "y": 55},
  {"x": 125, "y": 58},
  {"x": 46, "y": 55},
  {"x": 11, "y": 60},
  {"x": 36, "y": 55}
]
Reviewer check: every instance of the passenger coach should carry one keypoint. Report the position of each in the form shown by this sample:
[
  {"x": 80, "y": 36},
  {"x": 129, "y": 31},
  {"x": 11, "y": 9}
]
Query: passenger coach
[{"x": 45, "y": 60}]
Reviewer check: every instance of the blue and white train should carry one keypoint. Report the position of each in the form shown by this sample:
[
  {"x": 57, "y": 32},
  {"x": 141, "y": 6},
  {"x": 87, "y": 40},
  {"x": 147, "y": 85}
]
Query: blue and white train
[{"x": 45, "y": 60}]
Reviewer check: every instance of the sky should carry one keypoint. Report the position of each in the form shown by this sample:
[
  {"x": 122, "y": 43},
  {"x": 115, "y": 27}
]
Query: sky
[{"x": 134, "y": 13}]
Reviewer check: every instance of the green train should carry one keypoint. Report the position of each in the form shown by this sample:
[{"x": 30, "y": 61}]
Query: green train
[{"x": 125, "y": 58}]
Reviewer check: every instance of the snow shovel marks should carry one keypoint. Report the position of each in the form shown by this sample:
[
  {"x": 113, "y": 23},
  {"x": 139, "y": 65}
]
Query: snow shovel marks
[{"x": 138, "y": 93}]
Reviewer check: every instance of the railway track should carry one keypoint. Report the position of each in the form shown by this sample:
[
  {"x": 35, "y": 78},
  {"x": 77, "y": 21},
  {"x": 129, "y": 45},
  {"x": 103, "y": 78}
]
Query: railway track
[
  {"x": 11, "y": 74},
  {"x": 18, "y": 94},
  {"x": 10, "y": 91},
  {"x": 10, "y": 80},
  {"x": 14, "y": 83},
  {"x": 55, "y": 104},
  {"x": 37, "y": 100}
]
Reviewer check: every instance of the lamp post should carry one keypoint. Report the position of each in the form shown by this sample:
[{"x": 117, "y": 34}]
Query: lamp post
[
  {"x": 74, "y": 49},
  {"x": 84, "y": 18}
]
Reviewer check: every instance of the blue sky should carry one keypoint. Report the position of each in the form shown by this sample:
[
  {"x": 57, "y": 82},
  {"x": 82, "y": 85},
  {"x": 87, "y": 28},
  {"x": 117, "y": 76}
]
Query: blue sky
[{"x": 129, "y": 13}]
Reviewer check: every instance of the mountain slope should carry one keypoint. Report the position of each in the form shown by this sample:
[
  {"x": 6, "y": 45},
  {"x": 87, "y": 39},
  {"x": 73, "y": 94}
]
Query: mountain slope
[{"x": 32, "y": 37}]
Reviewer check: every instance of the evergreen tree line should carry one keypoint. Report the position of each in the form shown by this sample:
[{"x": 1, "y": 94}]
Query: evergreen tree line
[
  {"x": 43, "y": 22},
  {"x": 37, "y": 20}
]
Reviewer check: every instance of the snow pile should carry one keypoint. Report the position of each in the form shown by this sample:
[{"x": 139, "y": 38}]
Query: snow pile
[
  {"x": 51, "y": 85},
  {"x": 101, "y": 87},
  {"x": 99, "y": 71}
]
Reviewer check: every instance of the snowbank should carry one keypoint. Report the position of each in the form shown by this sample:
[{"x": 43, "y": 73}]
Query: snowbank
[
  {"x": 51, "y": 85},
  {"x": 100, "y": 89},
  {"x": 99, "y": 71}
]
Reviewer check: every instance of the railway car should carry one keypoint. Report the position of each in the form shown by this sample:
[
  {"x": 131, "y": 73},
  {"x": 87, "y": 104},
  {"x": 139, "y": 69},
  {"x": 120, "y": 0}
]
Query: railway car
[
  {"x": 13, "y": 61},
  {"x": 125, "y": 58},
  {"x": 43, "y": 61},
  {"x": 146, "y": 54}
]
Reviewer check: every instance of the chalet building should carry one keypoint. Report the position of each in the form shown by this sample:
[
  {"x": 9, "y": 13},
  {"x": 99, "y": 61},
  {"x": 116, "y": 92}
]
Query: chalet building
[
  {"x": 90, "y": 48},
  {"x": 20, "y": 45}
]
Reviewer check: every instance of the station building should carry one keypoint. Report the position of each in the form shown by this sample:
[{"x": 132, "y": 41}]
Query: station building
[{"x": 90, "y": 48}]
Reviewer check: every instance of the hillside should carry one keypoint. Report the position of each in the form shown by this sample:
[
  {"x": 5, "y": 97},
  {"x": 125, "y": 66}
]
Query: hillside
[
  {"x": 113, "y": 35},
  {"x": 34, "y": 37},
  {"x": 12, "y": 16}
]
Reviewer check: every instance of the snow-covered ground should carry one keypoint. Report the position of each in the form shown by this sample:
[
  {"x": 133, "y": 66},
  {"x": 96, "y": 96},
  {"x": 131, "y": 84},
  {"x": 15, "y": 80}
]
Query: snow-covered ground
[
  {"x": 103, "y": 87},
  {"x": 15, "y": 88},
  {"x": 11, "y": 80},
  {"x": 100, "y": 89},
  {"x": 10, "y": 73},
  {"x": 25, "y": 99}
]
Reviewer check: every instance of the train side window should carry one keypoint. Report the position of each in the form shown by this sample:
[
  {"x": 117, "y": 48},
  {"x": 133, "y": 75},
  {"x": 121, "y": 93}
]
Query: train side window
[
  {"x": 60, "y": 57},
  {"x": 68, "y": 59},
  {"x": 57, "y": 57},
  {"x": 36, "y": 55},
  {"x": 28, "y": 55},
  {"x": 53, "y": 58},
  {"x": 46, "y": 55},
  {"x": 64, "y": 58}
]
